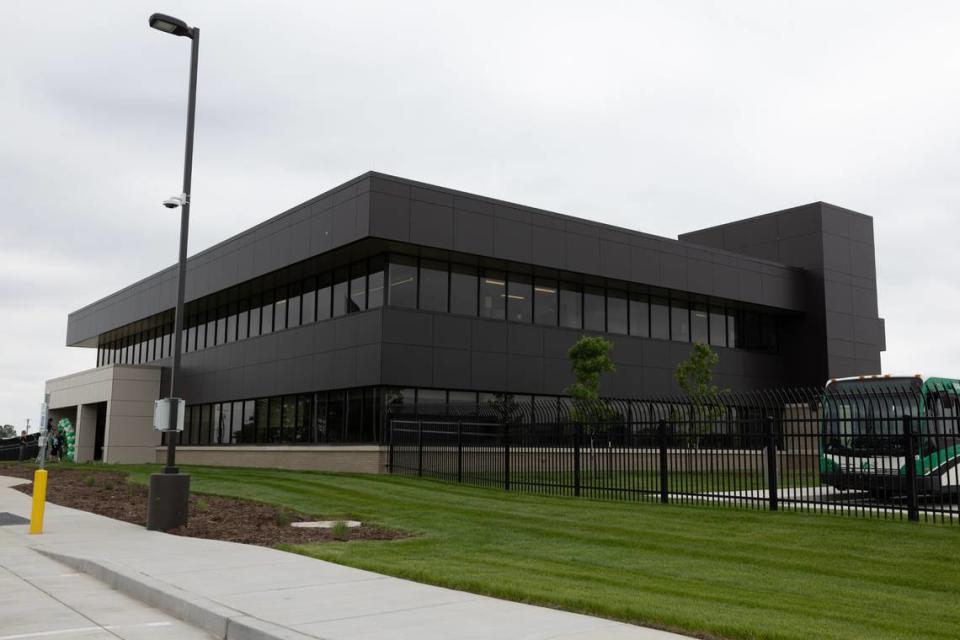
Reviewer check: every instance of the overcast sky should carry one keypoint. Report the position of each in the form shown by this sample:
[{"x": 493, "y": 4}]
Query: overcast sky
[{"x": 681, "y": 115}]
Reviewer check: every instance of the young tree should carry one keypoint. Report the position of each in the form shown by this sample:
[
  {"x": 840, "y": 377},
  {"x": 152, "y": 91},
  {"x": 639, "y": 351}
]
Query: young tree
[
  {"x": 589, "y": 359},
  {"x": 695, "y": 377}
]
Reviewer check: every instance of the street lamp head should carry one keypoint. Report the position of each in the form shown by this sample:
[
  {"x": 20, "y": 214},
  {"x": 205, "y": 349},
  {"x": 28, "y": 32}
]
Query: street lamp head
[{"x": 169, "y": 24}]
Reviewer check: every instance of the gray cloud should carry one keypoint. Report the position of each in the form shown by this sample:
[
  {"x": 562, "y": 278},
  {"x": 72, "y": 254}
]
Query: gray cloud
[{"x": 664, "y": 117}]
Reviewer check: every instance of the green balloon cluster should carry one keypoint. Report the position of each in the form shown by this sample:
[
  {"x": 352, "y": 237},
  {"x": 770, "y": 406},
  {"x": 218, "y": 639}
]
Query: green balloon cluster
[{"x": 69, "y": 437}]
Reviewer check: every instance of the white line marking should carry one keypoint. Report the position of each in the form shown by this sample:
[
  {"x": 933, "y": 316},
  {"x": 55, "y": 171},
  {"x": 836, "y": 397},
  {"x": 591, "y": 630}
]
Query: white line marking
[{"x": 43, "y": 634}]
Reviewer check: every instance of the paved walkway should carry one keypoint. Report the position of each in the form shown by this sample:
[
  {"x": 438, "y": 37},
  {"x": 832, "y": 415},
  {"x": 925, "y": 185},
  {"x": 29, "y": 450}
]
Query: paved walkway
[
  {"x": 43, "y": 599},
  {"x": 233, "y": 590}
]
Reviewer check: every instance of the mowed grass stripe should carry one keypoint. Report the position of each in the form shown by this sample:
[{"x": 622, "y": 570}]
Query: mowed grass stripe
[{"x": 708, "y": 570}]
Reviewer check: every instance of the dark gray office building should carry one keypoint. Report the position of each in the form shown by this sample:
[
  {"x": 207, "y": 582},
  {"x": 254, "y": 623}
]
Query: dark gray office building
[{"x": 385, "y": 290}]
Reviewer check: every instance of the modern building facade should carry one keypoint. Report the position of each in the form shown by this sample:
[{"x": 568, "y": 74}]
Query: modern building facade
[{"x": 385, "y": 291}]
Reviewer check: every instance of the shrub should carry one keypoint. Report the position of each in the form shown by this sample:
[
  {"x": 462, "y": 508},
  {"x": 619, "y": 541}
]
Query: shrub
[
  {"x": 201, "y": 505},
  {"x": 89, "y": 481},
  {"x": 340, "y": 531},
  {"x": 283, "y": 517}
]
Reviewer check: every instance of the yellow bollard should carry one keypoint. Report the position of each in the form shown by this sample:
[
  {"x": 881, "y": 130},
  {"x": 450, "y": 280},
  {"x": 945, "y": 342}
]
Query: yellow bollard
[{"x": 39, "y": 500}]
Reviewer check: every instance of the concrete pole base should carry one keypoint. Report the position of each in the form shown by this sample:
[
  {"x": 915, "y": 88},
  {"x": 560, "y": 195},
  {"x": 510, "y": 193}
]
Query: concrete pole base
[{"x": 167, "y": 501}]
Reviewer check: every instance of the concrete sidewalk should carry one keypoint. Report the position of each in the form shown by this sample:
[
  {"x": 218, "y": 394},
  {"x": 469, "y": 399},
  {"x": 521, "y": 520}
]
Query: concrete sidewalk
[{"x": 240, "y": 591}]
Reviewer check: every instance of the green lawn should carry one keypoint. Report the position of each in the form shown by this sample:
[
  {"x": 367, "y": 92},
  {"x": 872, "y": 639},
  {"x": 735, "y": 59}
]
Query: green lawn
[{"x": 712, "y": 571}]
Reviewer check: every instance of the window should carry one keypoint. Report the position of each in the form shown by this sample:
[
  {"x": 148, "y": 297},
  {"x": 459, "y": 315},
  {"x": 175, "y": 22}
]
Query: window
[
  {"x": 519, "y": 298},
  {"x": 679, "y": 321},
  {"x": 191, "y": 343},
  {"x": 255, "y": 313},
  {"x": 276, "y": 412},
  {"x": 324, "y": 297},
  {"x": 308, "y": 302},
  {"x": 403, "y": 282},
  {"x": 571, "y": 306},
  {"x": 358, "y": 288},
  {"x": 222, "y": 326},
  {"x": 219, "y": 417},
  {"x": 248, "y": 432},
  {"x": 659, "y": 319},
  {"x": 463, "y": 290},
  {"x": 639, "y": 315},
  {"x": 289, "y": 424},
  {"x": 341, "y": 293},
  {"x": 594, "y": 313},
  {"x": 718, "y": 327},
  {"x": 194, "y": 436},
  {"x": 262, "y": 426},
  {"x": 302, "y": 429},
  {"x": 266, "y": 314},
  {"x": 211, "y": 329},
  {"x": 375, "y": 283},
  {"x": 463, "y": 399},
  {"x": 293, "y": 306},
  {"x": 616, "y": 312},
  {"x": 433, "y": 285},
  {"x": 205, "y": 424},
  {"x": 751, "y": 330},
  {"x": 493, "y": 294},
  {"x": 280, "y": 309},
  {"x": 732, "y": 329},
  {"x": 243, "y": 321},
  {"x": 201, "y": 343},
  {"x": 545, "y": 299},
  {"x": 232, "y": 323},
  {"x": 699, "y": 331}
]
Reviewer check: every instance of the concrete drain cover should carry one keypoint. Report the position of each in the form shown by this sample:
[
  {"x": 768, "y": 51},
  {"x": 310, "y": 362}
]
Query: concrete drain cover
[
  {"x": 10, "y": 518},
  {"x": 325, "y": 524}
]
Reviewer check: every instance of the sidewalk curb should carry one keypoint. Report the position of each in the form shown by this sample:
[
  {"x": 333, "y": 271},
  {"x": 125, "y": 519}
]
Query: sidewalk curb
[{"x": 214, "y": 618}]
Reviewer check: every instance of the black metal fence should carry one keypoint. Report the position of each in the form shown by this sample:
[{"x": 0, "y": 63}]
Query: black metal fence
[
  {"x": 888, "y": 449},
  {"x": 13, "y": 449}
]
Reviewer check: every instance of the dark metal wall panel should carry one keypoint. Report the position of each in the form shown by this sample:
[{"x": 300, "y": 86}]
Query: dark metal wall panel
[
  {"x": 429, "y": 216},
  {"x": 394, "y": 209},
  {"x": 435, "y": 350},
  {"x": 841, "y": 333},
  {"x": 339, "y": 353},
  {"x": 336, "y": 218}
]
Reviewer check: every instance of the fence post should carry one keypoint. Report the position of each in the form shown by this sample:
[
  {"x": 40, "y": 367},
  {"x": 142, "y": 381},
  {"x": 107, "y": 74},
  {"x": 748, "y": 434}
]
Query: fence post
[
  {"x": 390, "y": 462},
  {"x": 506, "y": 456},
  {"x": 662, "y": 437},
  {"x": 459, "y": 450},
  {"x": 772, "y": 464},
  {"x": 913, "y": 511},
  {"x": 577, "y": 436},
  {"x": 419, "y": 447}
]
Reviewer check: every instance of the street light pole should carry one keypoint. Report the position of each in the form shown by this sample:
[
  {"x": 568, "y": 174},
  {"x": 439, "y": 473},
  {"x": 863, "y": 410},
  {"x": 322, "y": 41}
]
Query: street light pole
[
  {"x": 169, "y": 493},
  {"x": 184, "y": 232}
]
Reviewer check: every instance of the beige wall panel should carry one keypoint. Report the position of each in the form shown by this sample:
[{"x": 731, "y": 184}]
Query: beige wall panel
[{"x": 369, "y": 459}]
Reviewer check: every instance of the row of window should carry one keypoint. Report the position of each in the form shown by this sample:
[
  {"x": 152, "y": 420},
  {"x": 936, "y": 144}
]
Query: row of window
[
  {"x": 328, "y": 295},
  {"x": 490, "y": 293},
  {"x": 334, "y": 417},
  {"x": 353, "y": 416},
  {"x": 453, "y": 288}
]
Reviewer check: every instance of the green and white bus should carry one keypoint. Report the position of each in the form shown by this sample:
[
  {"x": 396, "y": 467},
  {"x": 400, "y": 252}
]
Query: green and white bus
[{"x": 863, "y": 446}]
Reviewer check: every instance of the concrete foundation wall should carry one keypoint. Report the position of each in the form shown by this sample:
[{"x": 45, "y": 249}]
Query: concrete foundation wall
[{"x": 356, "y": 459}]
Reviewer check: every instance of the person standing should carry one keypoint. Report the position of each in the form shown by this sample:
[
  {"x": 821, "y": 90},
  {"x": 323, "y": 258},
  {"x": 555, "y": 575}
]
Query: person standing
[
  {"x": 54, "y": 441},
  {"x": 23, "y": 445}
]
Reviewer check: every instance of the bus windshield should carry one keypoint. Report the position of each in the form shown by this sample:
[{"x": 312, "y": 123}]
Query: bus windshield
[{"x": 865, "y": 417}]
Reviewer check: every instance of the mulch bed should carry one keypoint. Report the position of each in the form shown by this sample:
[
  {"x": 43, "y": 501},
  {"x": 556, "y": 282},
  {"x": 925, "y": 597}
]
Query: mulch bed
[{"x": 215, "y": 517}]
